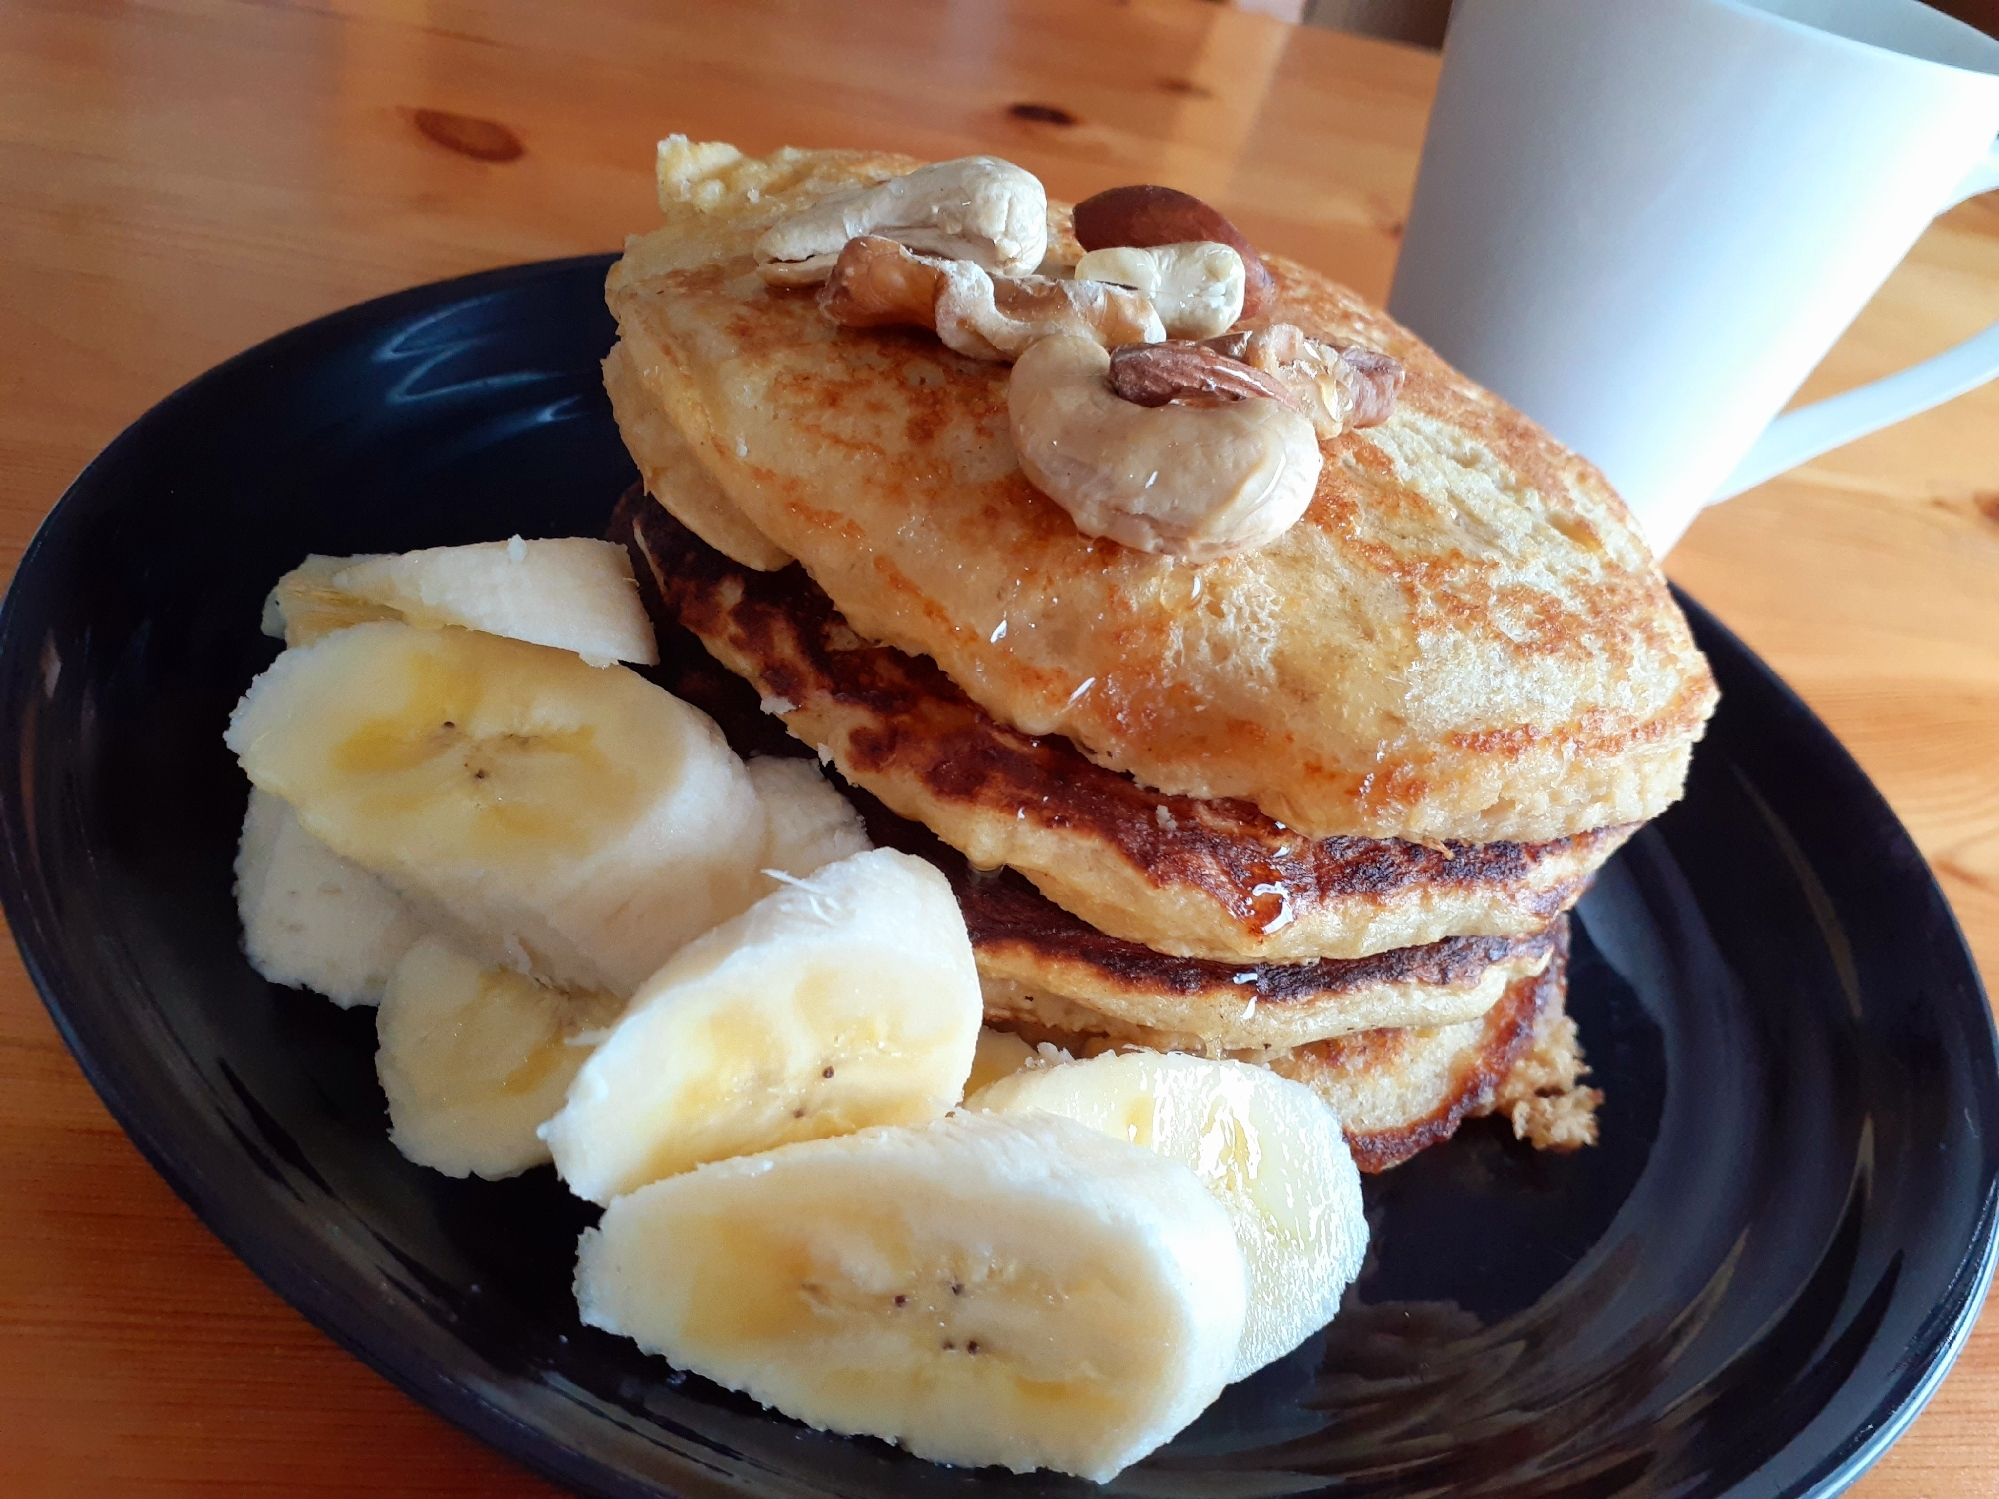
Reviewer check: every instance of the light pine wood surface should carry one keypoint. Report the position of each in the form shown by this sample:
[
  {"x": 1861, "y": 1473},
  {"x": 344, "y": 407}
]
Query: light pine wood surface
[{"x": 181, "y": 178}]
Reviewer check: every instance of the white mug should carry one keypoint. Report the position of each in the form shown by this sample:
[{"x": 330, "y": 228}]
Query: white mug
[{"x": 1643, "y": 222}]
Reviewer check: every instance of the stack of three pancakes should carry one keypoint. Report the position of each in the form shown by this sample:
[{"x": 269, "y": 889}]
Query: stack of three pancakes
[
  {"x": 1322, "y": 807},
  {"x": 1075, "y": 864}
]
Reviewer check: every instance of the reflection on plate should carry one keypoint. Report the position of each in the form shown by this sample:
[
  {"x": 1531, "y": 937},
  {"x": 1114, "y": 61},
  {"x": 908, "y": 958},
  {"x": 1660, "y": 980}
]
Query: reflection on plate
[{"x": 1748, "y": 1288}]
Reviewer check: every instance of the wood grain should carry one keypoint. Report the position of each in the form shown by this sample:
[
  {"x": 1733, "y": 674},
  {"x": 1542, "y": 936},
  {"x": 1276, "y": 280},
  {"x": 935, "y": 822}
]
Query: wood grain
[{"x": 181, "y": 178}]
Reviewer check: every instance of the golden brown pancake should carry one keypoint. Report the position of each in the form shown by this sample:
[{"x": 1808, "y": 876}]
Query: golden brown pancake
[
  {"x": 1465, "y": 637},
  {"x": 1194, "y": 878},
  {"x": 1399, "y": 1091},
  {"x": 1039, "y": 961},
  {"x": 1032, "y": 953},
  {"x": 672, "y": 475}
]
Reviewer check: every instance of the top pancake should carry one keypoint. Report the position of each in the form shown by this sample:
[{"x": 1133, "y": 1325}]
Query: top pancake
[{"x": 1464, "y": 638}]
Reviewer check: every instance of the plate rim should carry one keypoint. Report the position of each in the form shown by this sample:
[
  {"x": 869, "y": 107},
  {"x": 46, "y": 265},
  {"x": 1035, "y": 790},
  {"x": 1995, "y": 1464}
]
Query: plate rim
[{"x": 353, "y": 1325}]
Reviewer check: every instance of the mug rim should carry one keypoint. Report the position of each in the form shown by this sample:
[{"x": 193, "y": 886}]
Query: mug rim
[{"x": 1945, "y": 30}]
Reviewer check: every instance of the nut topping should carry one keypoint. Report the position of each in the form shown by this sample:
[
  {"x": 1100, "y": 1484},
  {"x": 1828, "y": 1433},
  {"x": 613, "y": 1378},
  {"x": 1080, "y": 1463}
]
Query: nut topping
[
  {"x": 1146, "y": 216},
  {"x": 1372, "y": 380},
  {"x": 1197, "y": 287},
  {"x": 876, "y": 281},
  {"x": 1337, "y": 387},
  {"x": 978, "y": 209},
  {"x": 1191, "y": 374},
  {"x": 1194, "y": 481}
]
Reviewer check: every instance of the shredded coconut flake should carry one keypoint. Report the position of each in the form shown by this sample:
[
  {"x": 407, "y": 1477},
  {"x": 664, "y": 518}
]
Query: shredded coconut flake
[
  {"x": 783, "y": 705},
  {"x": 1087, "y": 684}
]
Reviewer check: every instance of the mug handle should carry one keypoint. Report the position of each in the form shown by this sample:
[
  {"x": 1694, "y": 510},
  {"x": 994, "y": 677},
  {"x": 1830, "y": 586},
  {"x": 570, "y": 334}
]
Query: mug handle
[{"x": 1799, "y": 436}]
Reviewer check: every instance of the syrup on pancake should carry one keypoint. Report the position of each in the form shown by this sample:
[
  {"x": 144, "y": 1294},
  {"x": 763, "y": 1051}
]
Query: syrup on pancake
[{"x": 1195, "y": 878}]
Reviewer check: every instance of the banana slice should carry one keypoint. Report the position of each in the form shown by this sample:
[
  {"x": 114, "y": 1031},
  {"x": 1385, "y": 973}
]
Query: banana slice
[
  {"x": 572, "y": 593},
  {"x": 473, "y": 1059},
  {"x": 842, "y": 1001},
  {"x": 1019, "y": 1291},
  {"x": 312, "y": 918},
  {"x": 1268, "y": 1149},
  {"x": 1002, "y": 1053},
  {"x": 808, "y": 823},
  {"x": 304, "y": 606},
  {"x": 581, "y": 823},
  {"x": 999, "y": 1054}
]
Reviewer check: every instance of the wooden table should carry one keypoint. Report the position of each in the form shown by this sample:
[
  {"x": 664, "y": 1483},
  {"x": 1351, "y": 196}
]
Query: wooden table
[{"x": 181, "y": 178}]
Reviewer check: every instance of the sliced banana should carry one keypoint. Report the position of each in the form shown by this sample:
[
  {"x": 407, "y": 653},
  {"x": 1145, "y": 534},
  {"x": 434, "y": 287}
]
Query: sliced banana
[
  {"x": 304, "y": 606},
  {"x": 1268, "y": 1149},
  {"x": 808, "y": 824},
  {"x": 1002, "y": 1053},
  {"x": 312, "y": 918},
  {"x": 580, "y": 823},
  {"x": 473, "y": 1059},
  {"x": 999, "y": 1054},
  {"x": 572, "y": 593},
  {"x": 845, "y": 1000},
  {"x": 1017, "y": 1290}
]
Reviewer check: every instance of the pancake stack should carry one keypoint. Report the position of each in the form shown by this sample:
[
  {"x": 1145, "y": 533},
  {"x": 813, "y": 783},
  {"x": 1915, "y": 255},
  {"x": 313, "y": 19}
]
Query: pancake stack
[{"x": 1320, "y": 804}]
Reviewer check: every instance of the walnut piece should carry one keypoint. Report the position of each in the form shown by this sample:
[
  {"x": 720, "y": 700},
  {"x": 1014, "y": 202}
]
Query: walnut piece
[
  {"x": 978, "y": 209},
  {"x": 876, "y": 281}
]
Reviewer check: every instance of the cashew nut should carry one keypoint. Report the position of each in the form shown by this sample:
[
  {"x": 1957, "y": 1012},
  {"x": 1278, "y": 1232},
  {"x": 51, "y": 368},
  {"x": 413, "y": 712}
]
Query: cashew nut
[
  {"x": 1192, "y": 481},
  {"x": 977, "y": 208},
  {"x": 1197, "y": 285},
  {"x": 1149, "y": 215},
  {"x": 876, "y": 281}
]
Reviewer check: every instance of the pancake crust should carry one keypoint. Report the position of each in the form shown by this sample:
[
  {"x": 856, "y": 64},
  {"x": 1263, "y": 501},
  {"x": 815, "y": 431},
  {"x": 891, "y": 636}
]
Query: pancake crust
[
  {"x": 674, "y": 477},
  {"x": 1027, "y": 945},
  {"x": 1399, "y": 1091},
  {"x": 1207, "y": 879},
  {"x": 1465, "y": 637},
  {"x": 1038, "y": 961}
]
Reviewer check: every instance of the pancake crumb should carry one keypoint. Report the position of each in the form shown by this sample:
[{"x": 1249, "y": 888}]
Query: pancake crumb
[{"x": 1542, "y": 1095}]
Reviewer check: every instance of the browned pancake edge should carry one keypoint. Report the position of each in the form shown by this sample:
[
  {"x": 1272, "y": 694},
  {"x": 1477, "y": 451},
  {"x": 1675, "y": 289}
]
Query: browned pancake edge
[
  {"x": 1027, "y": 944},
  {"x": 1399, "y": 1091},
  {"x": 1195, "y": 878}
]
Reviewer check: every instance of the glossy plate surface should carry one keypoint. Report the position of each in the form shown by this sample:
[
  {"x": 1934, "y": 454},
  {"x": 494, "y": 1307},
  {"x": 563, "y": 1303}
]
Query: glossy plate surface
[{"x": 1748, "y": 1288}]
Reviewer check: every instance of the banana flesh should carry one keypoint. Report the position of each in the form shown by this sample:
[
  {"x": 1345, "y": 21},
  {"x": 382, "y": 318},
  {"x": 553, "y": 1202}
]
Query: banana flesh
[
  {"x": 572, "y": 593},
  {"x": 1011, "y": 1290},
  {"x": 809, "y": 824},
  {"x": 999, "y": 1054},
  {"x": 463, "y": 811},
  {"x": 575, "y": 822},
  {"x": 1269, "y": 1150},
  {"x": 841, "y": 1001},
  {"x": 473, "y": 1059},
  {"x": 304, "y": 606},
  {"x": 312, "y": 918}
]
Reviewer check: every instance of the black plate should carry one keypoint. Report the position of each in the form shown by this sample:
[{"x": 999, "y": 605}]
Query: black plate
[{"x": 1749, "y": 1288}]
